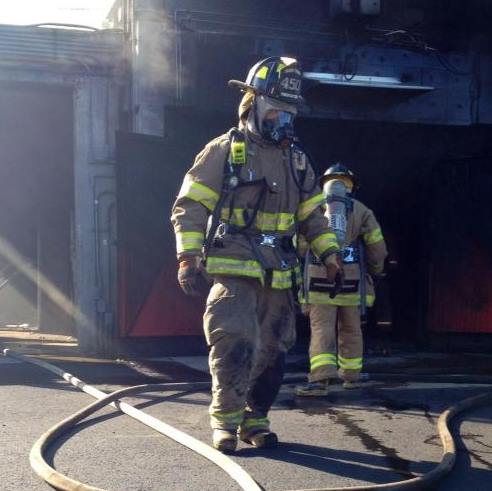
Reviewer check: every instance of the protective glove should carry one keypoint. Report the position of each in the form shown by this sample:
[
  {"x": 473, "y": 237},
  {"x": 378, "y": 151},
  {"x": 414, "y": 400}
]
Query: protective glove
[
  {"x": 190, "y": 276},
  {"x": 339, "y": 280},
  {"x": 334, "y": 273},
  {"x": 333, "y": 265}
]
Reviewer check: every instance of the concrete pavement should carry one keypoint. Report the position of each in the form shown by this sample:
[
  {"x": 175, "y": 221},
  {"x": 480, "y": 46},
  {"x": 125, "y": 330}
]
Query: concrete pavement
[{"x": 381, "y": 433}]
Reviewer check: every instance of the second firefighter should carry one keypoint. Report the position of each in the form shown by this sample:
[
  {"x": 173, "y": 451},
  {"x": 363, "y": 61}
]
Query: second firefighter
[{"x": 336, "y": 345}]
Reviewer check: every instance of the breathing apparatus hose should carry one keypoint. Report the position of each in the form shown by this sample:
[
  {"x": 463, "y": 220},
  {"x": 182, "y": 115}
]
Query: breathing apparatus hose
[{"x": 236, "y": 472}]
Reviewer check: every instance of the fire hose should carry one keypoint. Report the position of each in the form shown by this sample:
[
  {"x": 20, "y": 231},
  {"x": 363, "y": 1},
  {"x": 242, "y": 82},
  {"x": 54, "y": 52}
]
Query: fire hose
[{"x": 234, "y": 470}]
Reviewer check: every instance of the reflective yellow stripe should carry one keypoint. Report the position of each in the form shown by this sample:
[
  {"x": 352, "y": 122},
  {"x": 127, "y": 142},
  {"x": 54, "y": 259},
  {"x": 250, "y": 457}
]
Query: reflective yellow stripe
[
  {"x": 323, "y": 243},
  {"x": 279, "y": 222},
  {"x": 249, "y": 423},
  {"x": 281, "y": 280},
  {"x": 356, "y": 362},
  {"x": 266, "y": 222},
  {"x": 237, "y": 216},
  {"x": 323, "y": 360},
  {"x": 233, "y": 417},
  {"x": 222, "y": 265},
  {"x": 199, "y": 192},
  {"x": 350, "y": 363},
  {"x": 307, "y": 207},
  {"x": 373, "y": 237},
  {"x": 186, "y": 241},
  {"x": 322, "y": 356},
  {"x": 342, "y": 299}
]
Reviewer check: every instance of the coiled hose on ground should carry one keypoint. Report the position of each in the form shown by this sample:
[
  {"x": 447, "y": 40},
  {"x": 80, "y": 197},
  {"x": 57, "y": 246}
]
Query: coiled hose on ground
[{"x": 235, "y": 471}]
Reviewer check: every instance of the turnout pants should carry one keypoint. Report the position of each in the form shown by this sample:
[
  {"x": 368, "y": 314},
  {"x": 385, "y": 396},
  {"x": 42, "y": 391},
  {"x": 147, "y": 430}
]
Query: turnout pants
[
  {"x": 249, "y": 329},
  {"x": 327, "y": 360}
]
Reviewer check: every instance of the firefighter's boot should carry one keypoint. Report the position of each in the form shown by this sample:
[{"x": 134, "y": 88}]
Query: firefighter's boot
[
  {"x": 259, "y": 437},
  {"x": 352, "y": 384},
  {"x": 225, "y": 440},
  {"x": 313, "y": 389}
]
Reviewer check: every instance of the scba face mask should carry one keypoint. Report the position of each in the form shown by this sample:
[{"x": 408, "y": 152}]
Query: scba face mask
[
  {"x": 278, "y": 127},
  {"x": 275, "y": 120}
]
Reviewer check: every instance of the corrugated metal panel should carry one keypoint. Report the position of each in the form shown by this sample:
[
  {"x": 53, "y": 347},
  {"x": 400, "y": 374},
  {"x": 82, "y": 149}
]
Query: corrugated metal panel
[{"x": 40, "y": 45}]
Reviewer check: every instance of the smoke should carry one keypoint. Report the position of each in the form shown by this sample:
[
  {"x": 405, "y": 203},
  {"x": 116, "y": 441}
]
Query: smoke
[{"x": 154, "y": 53}]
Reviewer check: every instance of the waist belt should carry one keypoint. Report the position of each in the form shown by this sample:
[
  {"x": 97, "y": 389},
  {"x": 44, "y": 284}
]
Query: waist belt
[
  {"x": 258, "y": 240},
  {"x": 268, "y": 240}
]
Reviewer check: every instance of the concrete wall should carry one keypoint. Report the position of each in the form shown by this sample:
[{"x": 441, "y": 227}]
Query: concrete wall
[{"x": 96, "y": 112}]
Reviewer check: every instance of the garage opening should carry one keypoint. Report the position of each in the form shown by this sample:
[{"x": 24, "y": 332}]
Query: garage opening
[
  {"x": 409, "y": 176},
  {"x": 37, "y": 203}
]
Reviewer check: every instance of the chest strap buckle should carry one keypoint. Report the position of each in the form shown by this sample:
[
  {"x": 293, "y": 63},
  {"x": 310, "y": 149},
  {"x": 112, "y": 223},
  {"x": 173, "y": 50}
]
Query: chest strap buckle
[{"x": 268, "y": 240}]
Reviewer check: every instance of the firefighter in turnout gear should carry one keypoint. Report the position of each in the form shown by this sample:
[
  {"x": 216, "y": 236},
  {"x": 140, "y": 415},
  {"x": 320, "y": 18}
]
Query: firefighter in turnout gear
[
  {"x": 235, "y": 217},
  {"x": 339, "y": 354}
]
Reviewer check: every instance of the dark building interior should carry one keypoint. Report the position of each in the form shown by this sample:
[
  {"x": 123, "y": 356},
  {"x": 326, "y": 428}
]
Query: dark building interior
[{"x": 36, "y": 195}]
